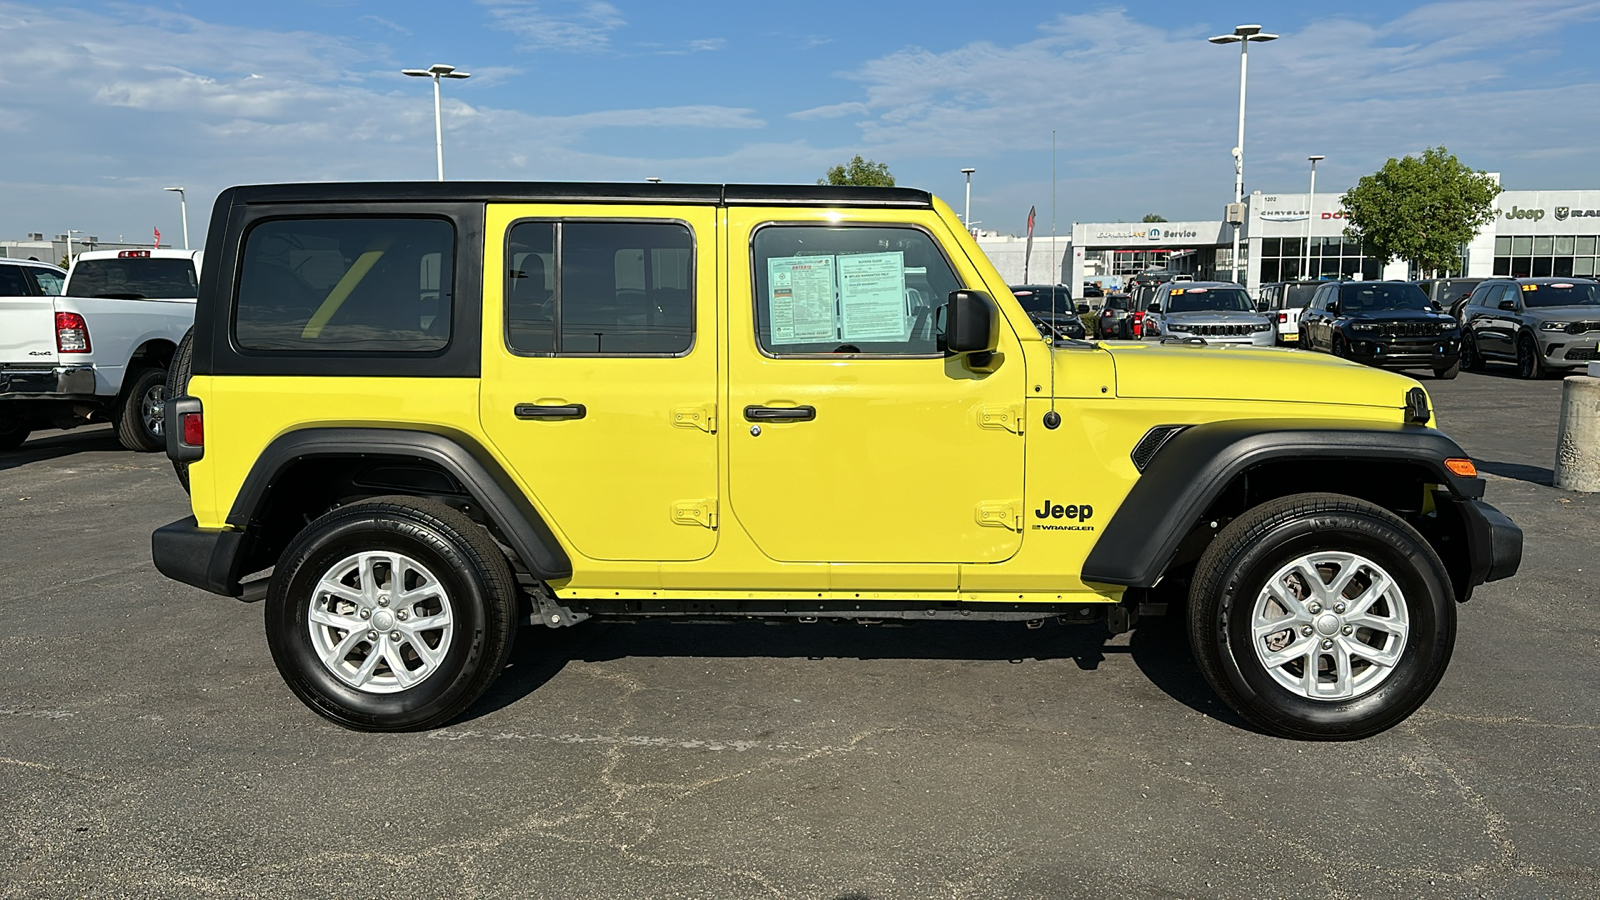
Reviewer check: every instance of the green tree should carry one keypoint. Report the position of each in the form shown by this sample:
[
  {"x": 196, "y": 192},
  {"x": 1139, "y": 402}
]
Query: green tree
[
  {"x": 858, "y": 171},
  {"x": 1421, "y": 209},
  {"x": 1152, "y": 217}
]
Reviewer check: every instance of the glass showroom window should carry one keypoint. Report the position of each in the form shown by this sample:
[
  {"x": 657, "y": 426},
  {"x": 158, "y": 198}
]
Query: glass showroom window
[
  {"x": 1282, "y": 259},
  {"x": 1560, "y": 256}
]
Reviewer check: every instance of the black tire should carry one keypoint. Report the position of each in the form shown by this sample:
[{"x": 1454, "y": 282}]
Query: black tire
[
  {"x": 136, "y": 430},
  {"x": 1339, "y": 348},
  {"x": 1471, "y": 359},
  {"x": 1529, "y": 365},
  {"x": 178, "y": 386},
  {"x": 1448, "y": 372},
  {"x": 12, "y": 434},
  {"x": 1233, "y": 573},
  {"x": 466, "y": 564}
]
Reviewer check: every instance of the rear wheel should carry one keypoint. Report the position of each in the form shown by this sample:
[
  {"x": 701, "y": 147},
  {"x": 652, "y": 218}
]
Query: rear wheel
[
  {"x": 140, "y": 425},
  {"x": 178, "y": 386},
  {"x": 1322, "y": 617},
  {"x": 1471, "y": 359},
  {"x": 12, "y": 434},
  {"x": 1529, "y": 364},
  {"x": 391, "y": 614}
]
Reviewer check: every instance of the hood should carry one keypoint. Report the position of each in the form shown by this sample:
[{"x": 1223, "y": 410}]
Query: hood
[
  {"x": 1195, "y": 372},
  {"x": 1564, "y": 313},
  {"x": 1396, "y": 315}
]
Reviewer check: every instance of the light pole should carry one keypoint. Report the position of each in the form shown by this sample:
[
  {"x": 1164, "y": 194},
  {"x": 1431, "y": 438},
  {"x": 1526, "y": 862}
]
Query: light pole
[
  {"x": 966, "y": 218},
  {"x": 70, "y": 233},
  {"x": 1242, "y": 35},
  {"x": 1311, "y": 211},
  {"x": 436, "y": 72},
  {"x": 183, "y": 201}
]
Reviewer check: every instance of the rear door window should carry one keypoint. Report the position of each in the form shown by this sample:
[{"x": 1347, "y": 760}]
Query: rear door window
[
  {"x": 49, "y": 283},
  {"x": 600, "y": 288},
  {"x": 346, "y": 284}
]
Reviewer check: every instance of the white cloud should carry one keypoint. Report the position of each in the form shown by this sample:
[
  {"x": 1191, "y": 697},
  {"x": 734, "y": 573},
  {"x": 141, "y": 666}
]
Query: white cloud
[
  {"x": 832, "y": 111},
  {"x": 574, "y": 27}
]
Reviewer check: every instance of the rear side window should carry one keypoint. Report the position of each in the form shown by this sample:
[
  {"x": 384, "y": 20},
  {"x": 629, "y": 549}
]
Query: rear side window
[
  {"x": 147, "y": 278},
  {"x": 13, "y": 283},
  {"x": 346, "y": 284},
  {"x": 870, "y": 291},
  {"x": 48, "y": 282},
  {"x": 600, "y": 288}
]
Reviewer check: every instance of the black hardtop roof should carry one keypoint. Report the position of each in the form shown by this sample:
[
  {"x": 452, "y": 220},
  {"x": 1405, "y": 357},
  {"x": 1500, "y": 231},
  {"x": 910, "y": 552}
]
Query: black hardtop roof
[
  {"x": 577, "y": 192},
  {"x": 1546, "y": 279},
  {"x": 1185, "y": 285}
]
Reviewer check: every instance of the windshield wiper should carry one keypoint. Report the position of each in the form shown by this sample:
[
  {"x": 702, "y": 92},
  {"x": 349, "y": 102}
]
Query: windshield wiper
[{"x": 125, "y": 296}]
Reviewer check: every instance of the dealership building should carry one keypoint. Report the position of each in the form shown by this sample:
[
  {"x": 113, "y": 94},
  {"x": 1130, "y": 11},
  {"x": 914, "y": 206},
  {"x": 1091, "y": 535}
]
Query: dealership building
[{"x": 1289, "y": 236}]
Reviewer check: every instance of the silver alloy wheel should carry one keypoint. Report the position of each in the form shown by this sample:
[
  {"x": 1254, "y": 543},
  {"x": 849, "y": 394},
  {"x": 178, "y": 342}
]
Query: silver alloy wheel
[
  {"x": 153, "y": 410},
  {"x": 380, "y": 622},
  {"x": 1330, "y": 626}
]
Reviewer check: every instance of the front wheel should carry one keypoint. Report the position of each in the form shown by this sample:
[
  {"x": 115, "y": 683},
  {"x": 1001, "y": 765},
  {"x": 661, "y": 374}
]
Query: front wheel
[
  {"x": 1339, "y": 348},
  {"x": 1448, "y": 372},
  {"x": 12, "y": 434},
  {"x": 391, "y": 614},
  {"x": 1530, "y": 365},
  {"x": 1321, "y": 617},
  {"x": 141, "y": 425},
  {"x": 1471, "y": 359}
]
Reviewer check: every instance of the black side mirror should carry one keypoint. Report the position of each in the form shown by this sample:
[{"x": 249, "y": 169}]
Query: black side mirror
[
  {"x": 1083, "y": 309},
  {"x": 971, "y": 323},
  {"x": 1261, "y": 306},
  {"x": 1154, "y": 307},
  {"x": 1508, "y": 305}
]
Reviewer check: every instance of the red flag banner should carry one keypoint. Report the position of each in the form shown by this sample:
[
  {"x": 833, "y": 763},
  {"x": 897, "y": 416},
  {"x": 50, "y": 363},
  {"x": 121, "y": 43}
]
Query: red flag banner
[
  {"x": 158, "y": 237},
  {"x": 1027, "y": 255}
]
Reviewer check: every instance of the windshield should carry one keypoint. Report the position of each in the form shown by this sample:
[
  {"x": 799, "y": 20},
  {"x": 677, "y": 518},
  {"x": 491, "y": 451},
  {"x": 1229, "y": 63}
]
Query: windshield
[
  {"x": 1184, "y": 300},
  {"x": 1298, "y": 295},
  {"x": 1381, "y": 296},
  {"x": 1039, "y": 300},
  {"x": 1561, "y": 294},
  {"x": 134, "y": 279}
]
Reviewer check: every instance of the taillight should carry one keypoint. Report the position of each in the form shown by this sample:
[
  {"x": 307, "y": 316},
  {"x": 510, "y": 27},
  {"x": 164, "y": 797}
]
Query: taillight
[
  {"x": 194, "y": 429},
  {"x": 1283, "y": 317},
  {"x": 72, "y": 333}
]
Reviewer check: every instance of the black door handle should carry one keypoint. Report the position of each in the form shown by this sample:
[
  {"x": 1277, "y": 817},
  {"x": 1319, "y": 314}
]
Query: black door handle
[
  {"x": 780, "y": 413},
  {"x": 564, "y": 411}
]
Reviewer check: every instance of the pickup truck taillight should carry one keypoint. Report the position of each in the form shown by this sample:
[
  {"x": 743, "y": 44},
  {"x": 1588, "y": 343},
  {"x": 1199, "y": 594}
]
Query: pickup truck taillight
[{"x": 72, "y": 333}]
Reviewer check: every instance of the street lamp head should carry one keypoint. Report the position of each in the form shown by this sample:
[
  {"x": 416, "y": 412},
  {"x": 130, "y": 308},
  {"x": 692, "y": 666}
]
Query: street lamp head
[
  {"x": 1262, "y": 37},
  {"x": 1246, "y": 30},
  {"x": 968, "y": 171},
  {"x": 1225, "y": 39},
  {"x": 178, "y": 189},
  {"x": 420, "y": 73},
  {"x": 1316, "y": 159}
]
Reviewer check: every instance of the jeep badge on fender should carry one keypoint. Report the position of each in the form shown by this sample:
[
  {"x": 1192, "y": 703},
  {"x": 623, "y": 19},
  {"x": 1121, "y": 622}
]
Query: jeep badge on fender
[{"x": 518, "y": 403}]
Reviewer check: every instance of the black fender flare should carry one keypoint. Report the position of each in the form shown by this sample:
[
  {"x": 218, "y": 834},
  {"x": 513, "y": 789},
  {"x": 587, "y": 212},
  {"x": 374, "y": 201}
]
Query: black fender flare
[
  {"x": 524, "y": 530},
  {"x": 1193, "y": 467}
]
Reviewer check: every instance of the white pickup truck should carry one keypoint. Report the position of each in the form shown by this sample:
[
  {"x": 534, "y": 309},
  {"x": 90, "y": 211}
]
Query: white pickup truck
[{"x": 99, "y": 352}]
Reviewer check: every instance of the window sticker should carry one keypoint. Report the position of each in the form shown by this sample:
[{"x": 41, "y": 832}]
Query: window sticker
[
  {"x": 872, "y": 297},
  {"x": 801, "y": 299},
  {"x": 1530, "y": 287}
]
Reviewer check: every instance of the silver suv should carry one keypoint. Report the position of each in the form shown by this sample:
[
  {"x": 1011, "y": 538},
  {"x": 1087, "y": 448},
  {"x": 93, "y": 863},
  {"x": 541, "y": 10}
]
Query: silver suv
[
  {"x": 1219, "y": 312},
  {"x": 1541, "y": 324}
]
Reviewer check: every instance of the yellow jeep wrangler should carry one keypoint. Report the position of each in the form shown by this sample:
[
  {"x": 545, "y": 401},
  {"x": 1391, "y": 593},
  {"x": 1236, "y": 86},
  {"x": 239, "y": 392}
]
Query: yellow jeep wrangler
[{"x": 435, "y": 411}]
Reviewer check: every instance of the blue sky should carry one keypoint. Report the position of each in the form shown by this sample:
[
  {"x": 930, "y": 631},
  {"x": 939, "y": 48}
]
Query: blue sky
[{"x": 102, "y": 104}]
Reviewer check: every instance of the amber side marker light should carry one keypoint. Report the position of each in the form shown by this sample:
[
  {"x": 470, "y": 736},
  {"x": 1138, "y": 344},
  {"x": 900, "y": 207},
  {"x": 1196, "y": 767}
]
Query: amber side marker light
[{"x": 1462, "y": 467}]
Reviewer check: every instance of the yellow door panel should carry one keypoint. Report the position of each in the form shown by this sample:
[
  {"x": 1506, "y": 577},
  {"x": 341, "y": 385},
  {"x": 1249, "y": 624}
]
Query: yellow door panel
[
  {"x": 857, "y": 454},
  {"x": 600, "y": 372}
]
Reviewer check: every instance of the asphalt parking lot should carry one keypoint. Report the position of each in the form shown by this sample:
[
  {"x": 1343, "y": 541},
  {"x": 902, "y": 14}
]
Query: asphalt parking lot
[{"x": 149, "y": 748}]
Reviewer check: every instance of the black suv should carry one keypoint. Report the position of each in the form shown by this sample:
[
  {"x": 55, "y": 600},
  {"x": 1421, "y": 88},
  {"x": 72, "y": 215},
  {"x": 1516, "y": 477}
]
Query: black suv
[
  {"x": 1382, "y": 323},
  {"x": 1051, "y": 308}
]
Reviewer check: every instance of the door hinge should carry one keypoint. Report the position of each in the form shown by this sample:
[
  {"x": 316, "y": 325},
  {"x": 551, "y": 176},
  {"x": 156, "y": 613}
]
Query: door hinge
[
  {"x": 1002, "y": 418},
  {"x": 703, "y": 417},
  {"x": 695, "y": 512},
  {"x": 1001, "y": 514}
]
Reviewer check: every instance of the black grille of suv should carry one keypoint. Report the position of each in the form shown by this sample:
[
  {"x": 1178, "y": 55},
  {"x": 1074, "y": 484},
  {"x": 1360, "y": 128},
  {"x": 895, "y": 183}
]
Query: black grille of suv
[
  {"x": 1222, "y": 330},
  {"x": 1412, "y": 329},
  {"x": 1583, "y": 353}
]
